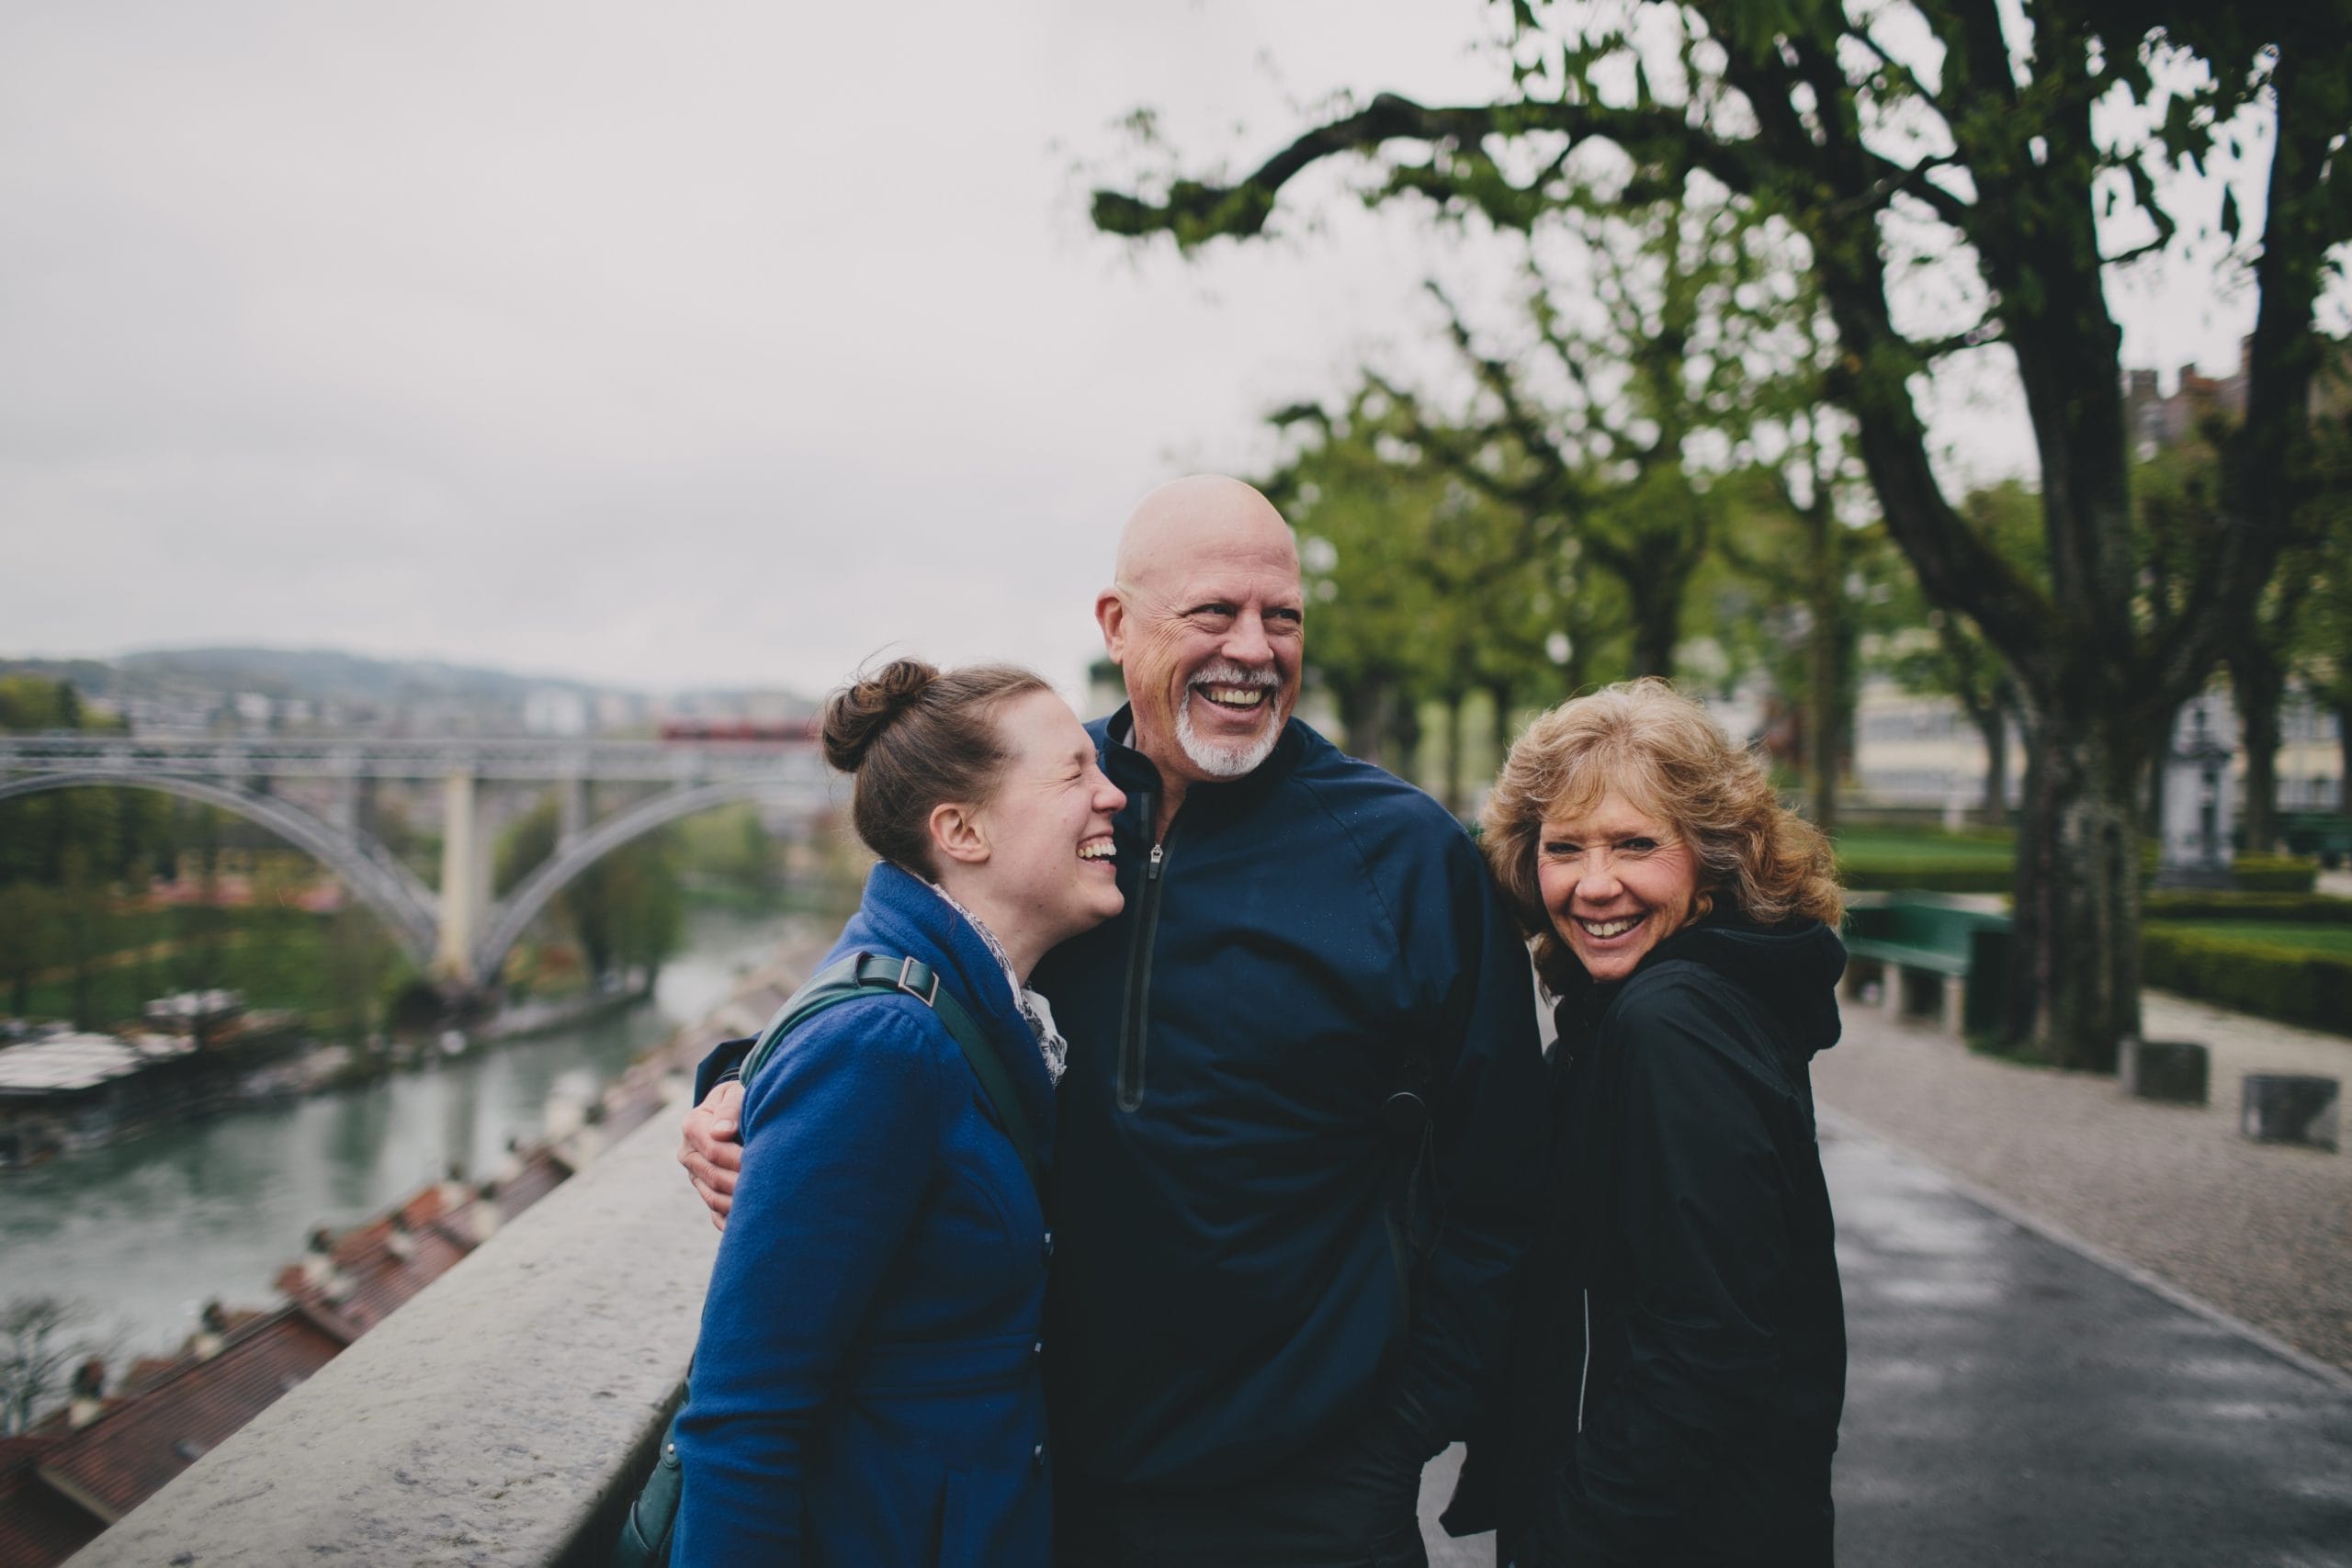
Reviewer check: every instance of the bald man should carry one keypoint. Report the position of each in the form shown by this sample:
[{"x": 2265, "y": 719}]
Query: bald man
[{"x": 1298, "y": 1139}]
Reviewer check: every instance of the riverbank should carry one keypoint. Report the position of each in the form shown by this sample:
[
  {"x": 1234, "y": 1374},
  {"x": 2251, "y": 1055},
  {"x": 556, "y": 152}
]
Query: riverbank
[
  {"x": 64, "y": 1092},
  {"x": 142, "y": 1233}
]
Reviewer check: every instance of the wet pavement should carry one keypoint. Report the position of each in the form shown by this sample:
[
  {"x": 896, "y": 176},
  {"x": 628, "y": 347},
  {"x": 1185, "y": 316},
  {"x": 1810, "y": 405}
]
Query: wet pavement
[{"x": 2011, "y": 1400}]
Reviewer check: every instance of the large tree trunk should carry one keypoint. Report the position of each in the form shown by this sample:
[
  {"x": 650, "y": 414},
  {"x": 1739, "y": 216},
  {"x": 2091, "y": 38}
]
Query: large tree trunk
[
  {"x": 2258, "y": 685},
  {"x": 1821, "y": 725},
  {"x": 1455, "y": 770},
  {"x": 1992, "y": 727},
  {"x": 1403, "y": 726},
  {"x": 2344, "y": 759},
  {"x": 2075, "y": 975},
  {"x": 1503, "y": 699},
  {"x": 1656, "y": 581},
  {"x": 1656, "y": 629},
  {"x": 1360, "y": 703}
]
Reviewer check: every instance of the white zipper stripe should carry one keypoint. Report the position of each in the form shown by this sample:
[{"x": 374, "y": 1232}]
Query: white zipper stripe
[{"x": 1583, "y": 1373}]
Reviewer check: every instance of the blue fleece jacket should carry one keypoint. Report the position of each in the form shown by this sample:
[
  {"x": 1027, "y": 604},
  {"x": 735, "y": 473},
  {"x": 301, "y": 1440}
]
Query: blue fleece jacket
[
  {"x": 866, "y": 1388},
  {"x": 1238, "y": 1278}
]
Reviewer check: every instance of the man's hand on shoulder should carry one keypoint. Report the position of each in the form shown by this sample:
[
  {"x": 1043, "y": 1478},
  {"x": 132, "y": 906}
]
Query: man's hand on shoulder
[{"x": 710, "y": 1150}]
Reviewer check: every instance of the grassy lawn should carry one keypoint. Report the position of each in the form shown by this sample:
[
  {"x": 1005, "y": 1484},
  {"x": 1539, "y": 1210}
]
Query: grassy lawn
[{"x": 2304, "y": 936}]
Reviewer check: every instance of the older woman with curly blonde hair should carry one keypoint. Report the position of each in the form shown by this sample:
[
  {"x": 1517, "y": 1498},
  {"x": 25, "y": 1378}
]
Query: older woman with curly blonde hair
[{"x": 1678, "y": 1358}]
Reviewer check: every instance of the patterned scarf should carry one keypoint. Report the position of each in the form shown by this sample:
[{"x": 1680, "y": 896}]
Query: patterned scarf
[{"x": 1033, "y": 1006}]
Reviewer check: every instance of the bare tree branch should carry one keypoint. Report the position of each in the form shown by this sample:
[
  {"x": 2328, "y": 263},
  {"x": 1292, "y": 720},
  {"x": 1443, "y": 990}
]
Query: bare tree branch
[{"x": 1659, "y": 139}]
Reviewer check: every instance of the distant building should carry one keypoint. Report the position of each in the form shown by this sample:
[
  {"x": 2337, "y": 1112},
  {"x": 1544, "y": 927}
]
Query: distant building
[
  {"x": 2157, "y": 421},
  {"x": 1912, "y": 749},
  {"x": 552, "y": 710}
]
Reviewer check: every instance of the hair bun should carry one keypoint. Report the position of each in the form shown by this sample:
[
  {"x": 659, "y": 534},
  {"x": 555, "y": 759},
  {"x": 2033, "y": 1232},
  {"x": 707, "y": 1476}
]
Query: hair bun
[{"x": 856, "y": 715}]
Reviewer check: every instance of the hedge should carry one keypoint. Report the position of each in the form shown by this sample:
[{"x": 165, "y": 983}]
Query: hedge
[
  {"x": 2310, "y": 989},
  {"x": 2261, "y": 876},
  {"x": 2224, "y": 904},
  {"x": 2273, "y": 874},
  {"x": 1942, "y": 874}
]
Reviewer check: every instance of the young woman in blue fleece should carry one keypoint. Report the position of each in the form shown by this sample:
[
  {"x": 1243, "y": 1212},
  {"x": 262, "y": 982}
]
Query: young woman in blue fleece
[{"x": 865, "y": 1389}]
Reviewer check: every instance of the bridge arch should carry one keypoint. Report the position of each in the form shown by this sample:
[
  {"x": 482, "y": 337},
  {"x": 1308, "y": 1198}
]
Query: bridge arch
[
  {"x": 376, "y": 879},
  {"x": 531, "y": 896}
]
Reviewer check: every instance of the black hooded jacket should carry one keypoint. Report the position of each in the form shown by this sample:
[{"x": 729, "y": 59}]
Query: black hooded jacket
[{"x": 1678, "y": 1363}]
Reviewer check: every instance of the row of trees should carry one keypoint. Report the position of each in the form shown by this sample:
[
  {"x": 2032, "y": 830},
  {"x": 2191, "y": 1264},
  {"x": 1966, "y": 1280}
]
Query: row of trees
[{"x": 1864, "y": 153}]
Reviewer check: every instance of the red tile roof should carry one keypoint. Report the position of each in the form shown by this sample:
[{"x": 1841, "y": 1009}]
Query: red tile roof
[
  {"x": 118, "y": 1460},
  {"x": 541, "y": 1174},
  {"x": 39, "y": 1528},
  {"x": 383, "y": 1264},
  {"x": 147, "y": 1369}
]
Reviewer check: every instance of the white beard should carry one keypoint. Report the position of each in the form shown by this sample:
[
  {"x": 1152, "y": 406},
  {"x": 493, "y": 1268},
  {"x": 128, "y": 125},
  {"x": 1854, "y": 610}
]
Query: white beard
[{"x": 1228, "y": 762}]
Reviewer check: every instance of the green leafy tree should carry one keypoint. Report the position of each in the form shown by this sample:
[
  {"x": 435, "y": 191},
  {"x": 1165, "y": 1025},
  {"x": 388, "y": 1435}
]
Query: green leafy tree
[
  {"x": 200, "y": 928},
  {"x": 34, "y": 703},
  {"x": 27, "y": 940},
  {"x": 1973, "y": 145},
  {"x": 1639, "y": 391},
  {"x": 87, "y": 934},
  {"x": 121, "y": 834},
  {"x": 1800, "y": 526},
  {"x": 1422, "y": 587},
  {"x": 629, "y": 908},
  {"x": 728, "y": 848},
  {"x": 626, "y": 910},
  {"x": 1933, "y": 650},
  {"x": 363, "y": 969},
  {"x": 1363, "y": 522},
  {"x": 526, "y": 842}
]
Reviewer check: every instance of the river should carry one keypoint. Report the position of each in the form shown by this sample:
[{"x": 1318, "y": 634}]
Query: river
[{"x": 143, "y": 1233}]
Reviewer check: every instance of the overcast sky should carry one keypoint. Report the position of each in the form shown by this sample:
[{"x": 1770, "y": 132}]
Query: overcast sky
[{"x": 667, "y": 345}]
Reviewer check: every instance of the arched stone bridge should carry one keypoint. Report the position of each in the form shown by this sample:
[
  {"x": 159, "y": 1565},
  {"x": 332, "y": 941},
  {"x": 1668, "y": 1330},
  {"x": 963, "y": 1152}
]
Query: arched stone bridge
[{"x": 455, "y": 930}]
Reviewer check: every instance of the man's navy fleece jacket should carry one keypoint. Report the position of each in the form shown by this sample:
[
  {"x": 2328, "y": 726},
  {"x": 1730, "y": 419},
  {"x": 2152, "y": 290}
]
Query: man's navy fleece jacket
[{"x": 1233, "y": 1280}]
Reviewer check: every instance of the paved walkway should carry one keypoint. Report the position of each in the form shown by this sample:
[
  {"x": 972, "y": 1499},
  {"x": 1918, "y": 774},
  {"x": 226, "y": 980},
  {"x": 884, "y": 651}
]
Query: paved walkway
[
  {"x": 2011, "y": 1399},
  {"x": 2261, "y": 1231}
]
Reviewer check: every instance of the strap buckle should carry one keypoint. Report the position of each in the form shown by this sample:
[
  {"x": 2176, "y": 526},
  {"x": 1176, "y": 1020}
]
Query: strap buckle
[{"x": 907, "y": 966}]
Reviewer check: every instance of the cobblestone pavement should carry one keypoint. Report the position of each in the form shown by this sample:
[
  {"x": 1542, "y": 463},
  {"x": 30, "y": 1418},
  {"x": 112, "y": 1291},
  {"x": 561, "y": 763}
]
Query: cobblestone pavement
[{"x": 2011, "y": 1399}]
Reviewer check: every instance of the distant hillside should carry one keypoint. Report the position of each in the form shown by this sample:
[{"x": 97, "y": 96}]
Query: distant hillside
[
  {"x": 327, "y": 675},
  {"x": 329, "y": 679}
]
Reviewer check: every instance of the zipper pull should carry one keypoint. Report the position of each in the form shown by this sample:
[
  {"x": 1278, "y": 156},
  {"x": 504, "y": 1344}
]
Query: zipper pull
[{"x": 1151, "y": 866}]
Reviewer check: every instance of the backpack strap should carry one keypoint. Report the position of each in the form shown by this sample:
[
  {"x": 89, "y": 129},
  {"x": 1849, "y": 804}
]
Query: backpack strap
[{"x": 870, "y": 974}]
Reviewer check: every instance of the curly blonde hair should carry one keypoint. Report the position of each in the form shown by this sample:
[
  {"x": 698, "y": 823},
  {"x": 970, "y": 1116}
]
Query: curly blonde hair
[{"x": 1660, "y": 751}]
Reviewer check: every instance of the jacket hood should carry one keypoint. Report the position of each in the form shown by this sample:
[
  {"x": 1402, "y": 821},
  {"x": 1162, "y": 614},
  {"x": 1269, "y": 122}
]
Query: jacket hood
[{"x": 1794, "y": 969}]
